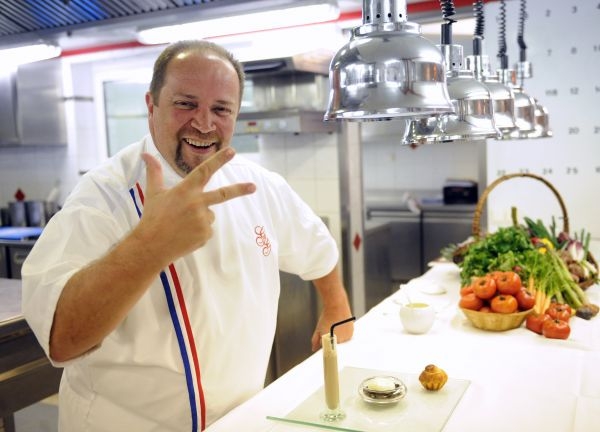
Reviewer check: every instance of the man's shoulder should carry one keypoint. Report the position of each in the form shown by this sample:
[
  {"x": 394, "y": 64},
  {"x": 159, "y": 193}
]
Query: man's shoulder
[{"x": 112, "y": 178}]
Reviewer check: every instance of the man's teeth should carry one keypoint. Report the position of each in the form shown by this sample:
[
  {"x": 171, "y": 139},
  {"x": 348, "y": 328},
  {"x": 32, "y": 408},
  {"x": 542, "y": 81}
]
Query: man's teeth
[{"x": 198, "y": 143}]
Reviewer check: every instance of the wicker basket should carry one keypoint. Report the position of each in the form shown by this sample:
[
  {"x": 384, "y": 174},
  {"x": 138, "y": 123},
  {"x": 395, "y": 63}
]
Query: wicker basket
[
  {"x": 476, "y": 228},
  {"x": 496, "y": 321}
]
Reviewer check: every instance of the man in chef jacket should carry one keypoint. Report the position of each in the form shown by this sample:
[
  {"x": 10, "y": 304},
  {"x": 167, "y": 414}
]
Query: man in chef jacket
[{"x": 156, "y": 286}]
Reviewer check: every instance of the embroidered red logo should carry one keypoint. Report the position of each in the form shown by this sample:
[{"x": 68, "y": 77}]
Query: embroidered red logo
[{"x": 262, "y": 240}]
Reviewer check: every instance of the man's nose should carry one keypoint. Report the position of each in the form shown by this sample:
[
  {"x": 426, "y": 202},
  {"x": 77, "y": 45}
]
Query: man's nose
[{"x": 203, "y": 121}]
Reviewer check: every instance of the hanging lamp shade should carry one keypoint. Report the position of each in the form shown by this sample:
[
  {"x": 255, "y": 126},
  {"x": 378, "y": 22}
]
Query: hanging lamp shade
[
  {"x": 524, "y": 106},
  {"x": 425, "y": 130},
  {"x": 524, "y": 115},
  {"x": 542, "y": 122},
  {"x": 473, "y": 117},
  {"x": 503, "y": 97},
  {"x": 387, "y": 70}
]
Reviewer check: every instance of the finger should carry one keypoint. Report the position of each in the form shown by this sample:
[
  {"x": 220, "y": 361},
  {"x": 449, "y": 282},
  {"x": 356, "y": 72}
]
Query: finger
[
  {"x": 226, "y": 193},
  {"x": 154, "y": 174},
  {"x": 316, "y": 341},
  {"x": 203, "y": 172}
]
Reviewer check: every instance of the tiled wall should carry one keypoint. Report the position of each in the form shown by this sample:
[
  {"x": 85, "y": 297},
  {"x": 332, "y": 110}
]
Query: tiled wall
[
  {"x": 389, "y": 165},
  {"x": 34, "y": 170}
]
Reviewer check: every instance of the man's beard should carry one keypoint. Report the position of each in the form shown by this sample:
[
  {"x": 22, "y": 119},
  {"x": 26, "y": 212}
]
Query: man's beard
[{"x": 182, "y": 164}]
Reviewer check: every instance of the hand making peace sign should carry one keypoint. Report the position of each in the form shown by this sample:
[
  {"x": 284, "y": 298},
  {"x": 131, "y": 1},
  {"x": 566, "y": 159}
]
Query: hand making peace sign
[{"x": 178, "y": 220}]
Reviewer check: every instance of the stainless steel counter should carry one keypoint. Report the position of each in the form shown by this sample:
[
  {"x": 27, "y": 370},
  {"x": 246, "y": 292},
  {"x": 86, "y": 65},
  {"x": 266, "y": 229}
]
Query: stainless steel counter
[
  {"x": 401, "y": 239},
  {"x": 10, "y": 304},
  {"x": 12, "y": 256},
  {"x": 26, "y": 375}
]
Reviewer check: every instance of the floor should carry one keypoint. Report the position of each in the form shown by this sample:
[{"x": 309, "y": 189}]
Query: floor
[{"x": 40, "y": 417}]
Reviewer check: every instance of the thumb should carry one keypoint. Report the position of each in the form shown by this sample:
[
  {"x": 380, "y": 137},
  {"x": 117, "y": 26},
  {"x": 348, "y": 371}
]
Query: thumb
[{"x": 154, "y": 174}]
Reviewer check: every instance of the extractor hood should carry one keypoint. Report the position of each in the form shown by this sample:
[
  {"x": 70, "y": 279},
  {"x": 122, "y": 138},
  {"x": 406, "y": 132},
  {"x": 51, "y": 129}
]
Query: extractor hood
[
  {"x": 286, "y": 95},
  {"x": 32, "y": 105}
]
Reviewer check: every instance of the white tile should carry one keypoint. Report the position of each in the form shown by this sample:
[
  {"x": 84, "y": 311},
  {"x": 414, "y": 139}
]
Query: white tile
[
  {"x": 300, "y": 158},
  {"x": 326, "y": 157},
  {"x": 327, "y": 196},
  {"x": 273, "y": 153}
]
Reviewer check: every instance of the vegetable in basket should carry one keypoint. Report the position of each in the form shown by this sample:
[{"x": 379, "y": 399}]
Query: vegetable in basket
[
  {"x": 512, "y": 248},
  {"x": 573, "y": 251}
]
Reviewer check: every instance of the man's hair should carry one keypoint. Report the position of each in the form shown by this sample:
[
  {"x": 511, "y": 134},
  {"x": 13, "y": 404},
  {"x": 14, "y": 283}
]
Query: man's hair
[{"x": 201, "y": 46}]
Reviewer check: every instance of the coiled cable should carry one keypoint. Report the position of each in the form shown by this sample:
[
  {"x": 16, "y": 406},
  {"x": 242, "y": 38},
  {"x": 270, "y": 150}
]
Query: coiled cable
[
  {"x": 520, "y": 36},
  {"x": 447, "y": 11},
  {"x": 479, "y": 26},
  {"x": 502, "y": 37}
]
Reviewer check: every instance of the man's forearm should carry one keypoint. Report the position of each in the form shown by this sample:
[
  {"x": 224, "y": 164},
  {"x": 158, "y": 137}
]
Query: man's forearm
[
  {"x": 97, "y": 298},
  {"x": 336, "y": 307}
]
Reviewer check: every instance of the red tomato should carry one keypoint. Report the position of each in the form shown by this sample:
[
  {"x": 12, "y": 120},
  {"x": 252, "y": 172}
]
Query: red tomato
[
  {"x": 484, "y": 287},
  {"x": 556, "y": 329},
  {"x": 470, "y": 301},
  {"x": 525, "y": 299},
  {"x": 485, "y": 309},
  {"x": 508, "y": 282},
  {"x": 495, "y": 274},
  {"x": 466, "y": 290},
  {"x": 536, "y": 322},
  {"x": 559, "y": 311},
  {"x": 504, "y": 303}
]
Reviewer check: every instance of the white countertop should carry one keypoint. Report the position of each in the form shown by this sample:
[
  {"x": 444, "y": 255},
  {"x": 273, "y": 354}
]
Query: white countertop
[{"x": 519, "y": 381}]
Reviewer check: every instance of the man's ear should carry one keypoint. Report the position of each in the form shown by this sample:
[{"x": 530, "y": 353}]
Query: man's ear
[{"x": 149, "y": 103}]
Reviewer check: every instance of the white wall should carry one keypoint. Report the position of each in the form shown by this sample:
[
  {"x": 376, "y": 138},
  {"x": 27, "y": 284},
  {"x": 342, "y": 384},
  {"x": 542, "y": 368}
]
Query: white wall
[
  {"x": 388, "y": 165},
  {"x": 563, "y": 46}
]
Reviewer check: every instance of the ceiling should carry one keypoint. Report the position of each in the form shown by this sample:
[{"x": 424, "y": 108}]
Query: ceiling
[{"x": 77, "y": 24}]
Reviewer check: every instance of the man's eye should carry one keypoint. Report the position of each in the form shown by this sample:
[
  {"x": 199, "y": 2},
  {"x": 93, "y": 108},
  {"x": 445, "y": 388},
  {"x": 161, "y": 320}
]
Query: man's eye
[
  {"x": 222, "y": 110},
  {"x": 185, "y": 104}
]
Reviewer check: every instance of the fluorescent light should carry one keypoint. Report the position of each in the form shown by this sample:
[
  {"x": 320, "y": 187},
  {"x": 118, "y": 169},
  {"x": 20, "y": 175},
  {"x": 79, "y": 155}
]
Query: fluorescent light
[
  {"x": 251, "y": 22},
  {"x": 284, "y": 42},
  {"x": 29, "y": 53}
]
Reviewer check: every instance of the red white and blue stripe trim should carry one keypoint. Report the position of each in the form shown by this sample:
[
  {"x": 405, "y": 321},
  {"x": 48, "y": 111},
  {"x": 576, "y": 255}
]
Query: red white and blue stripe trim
[{"x": 183, "y": 330}]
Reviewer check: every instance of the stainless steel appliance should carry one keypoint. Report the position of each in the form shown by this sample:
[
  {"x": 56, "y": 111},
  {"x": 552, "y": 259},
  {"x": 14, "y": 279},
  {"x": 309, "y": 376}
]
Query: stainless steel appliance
[
  {"x": 17, "y": 253},
  {"x": 31, "y": 105},
  {"x": 12, "y": 257},
  {"x": 3, "y": 263},
  {"x": 400, "y": 242},
  {"x": 285, "y": 95},
  {"x": 393, "y": 250},
  {"x": 296, "y": 322},
  {"x": 26, "y": 375},
  {"x": 444, "y": 225}
]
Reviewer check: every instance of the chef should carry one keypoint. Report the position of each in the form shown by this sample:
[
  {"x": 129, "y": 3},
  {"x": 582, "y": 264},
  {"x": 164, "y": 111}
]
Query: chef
[{"x": 156, "y": 286}]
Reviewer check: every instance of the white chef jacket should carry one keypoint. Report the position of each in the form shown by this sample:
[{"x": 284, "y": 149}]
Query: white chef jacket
[{"x": 198, "y": 342}]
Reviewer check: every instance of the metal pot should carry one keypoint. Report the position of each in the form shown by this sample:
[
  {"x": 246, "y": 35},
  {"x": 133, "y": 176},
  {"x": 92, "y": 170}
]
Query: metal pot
[{"x": 35, "y": 213}]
